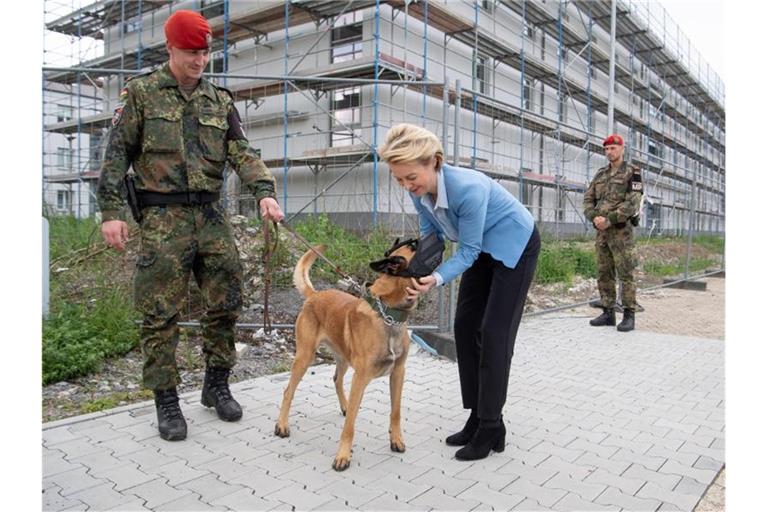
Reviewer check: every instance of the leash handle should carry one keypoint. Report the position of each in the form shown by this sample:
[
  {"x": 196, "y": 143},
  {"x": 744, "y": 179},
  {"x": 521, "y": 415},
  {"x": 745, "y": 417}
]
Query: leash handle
[{"x": 266, "y": 258}]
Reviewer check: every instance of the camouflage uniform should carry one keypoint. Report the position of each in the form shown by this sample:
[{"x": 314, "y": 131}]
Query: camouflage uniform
[
  {"x": 175, "y": 144},
  {"x": 615, "y": 195}
]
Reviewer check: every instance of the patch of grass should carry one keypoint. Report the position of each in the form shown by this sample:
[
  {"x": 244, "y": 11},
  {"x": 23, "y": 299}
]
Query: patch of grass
[
  {"x": 113, "y": 400},
  {"x": 78, "y": 337},
  {"x": 670, "y": 269},
  {"x": 347, "y": 250},
  {"x": 559, "y": 262},
  {"x": 712, "y": 243},
  {"x": 69, "y": 234},
  {"x": 281, "y": 367}
]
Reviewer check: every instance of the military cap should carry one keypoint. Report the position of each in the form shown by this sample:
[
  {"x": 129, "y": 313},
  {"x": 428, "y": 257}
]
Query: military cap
[
  {"x": 613, "y": 139},
  {"x": 188, "y": 30}
]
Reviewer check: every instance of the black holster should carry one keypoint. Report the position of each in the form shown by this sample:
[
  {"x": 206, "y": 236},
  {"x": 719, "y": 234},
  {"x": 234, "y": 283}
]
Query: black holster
[{"x": 133, "y": 198}]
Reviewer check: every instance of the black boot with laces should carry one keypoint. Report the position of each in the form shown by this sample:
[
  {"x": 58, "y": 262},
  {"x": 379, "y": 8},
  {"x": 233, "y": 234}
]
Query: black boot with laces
[
  {"x": 216, "y": 394},
  {"x": 170, "y": 421}
]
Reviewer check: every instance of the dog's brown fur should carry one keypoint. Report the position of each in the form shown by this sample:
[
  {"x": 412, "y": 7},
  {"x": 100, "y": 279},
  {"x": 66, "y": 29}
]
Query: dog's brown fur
[{"x": 360, "y": 338}]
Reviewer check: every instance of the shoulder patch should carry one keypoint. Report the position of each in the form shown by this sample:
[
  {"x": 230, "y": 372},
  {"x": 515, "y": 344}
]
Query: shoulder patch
[{"x": 636, "y": 183}]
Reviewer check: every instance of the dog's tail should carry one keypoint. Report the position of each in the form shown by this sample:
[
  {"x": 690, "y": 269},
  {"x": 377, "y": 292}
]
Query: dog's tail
[{"x": 301, "y": 272}]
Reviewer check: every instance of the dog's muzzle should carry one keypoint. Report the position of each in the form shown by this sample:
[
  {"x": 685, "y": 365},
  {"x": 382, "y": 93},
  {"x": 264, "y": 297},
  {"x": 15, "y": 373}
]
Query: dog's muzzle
[{"x": 428, "y": 256}]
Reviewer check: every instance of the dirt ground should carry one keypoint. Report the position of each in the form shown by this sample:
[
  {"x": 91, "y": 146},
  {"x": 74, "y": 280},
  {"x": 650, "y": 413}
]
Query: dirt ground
[{"x": 682, "y": 312}]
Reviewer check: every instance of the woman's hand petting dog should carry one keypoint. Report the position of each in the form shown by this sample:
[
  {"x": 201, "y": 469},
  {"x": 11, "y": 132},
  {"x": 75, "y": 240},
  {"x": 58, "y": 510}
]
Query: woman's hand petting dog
[{"x": 420, "y": 286}]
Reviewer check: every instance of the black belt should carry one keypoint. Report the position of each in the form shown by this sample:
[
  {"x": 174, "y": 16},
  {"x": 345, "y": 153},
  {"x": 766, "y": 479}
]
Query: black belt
[
  {"x": 182, "y": 198},
  {"x": 619, "y": 225}
]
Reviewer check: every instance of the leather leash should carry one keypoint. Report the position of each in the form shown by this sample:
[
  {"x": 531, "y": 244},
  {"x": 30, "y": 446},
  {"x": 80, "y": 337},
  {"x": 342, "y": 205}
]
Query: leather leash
[
  {"x": 347, "y": 277},
  {"x": 266, "y": 258}
]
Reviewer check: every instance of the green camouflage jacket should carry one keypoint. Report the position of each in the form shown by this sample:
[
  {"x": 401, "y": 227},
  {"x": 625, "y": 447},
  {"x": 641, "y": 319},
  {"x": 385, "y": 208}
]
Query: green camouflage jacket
[
  {"x": 174, "y": 144},
  {"x": 616, "y": 195}
]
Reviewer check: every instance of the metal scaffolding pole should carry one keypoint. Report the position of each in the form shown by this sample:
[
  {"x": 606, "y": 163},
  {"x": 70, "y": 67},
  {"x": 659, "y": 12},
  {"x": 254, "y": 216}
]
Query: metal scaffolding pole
[{"x": 612, "y": 68}]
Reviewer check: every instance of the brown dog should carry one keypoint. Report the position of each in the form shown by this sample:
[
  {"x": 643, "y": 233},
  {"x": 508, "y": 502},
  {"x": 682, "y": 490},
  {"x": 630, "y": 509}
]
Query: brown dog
[{"x": 362, "y": 334}]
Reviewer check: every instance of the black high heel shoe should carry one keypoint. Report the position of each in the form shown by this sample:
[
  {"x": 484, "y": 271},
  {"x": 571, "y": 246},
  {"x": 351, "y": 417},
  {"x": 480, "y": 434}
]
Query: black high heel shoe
[
  {"x": 486, "y": 438},
  {"x": 465, "y": 435}
]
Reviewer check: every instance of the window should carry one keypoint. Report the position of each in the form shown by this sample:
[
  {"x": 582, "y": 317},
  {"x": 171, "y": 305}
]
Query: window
[
  {"x": 63, "y": 199},
  {"x": 347, "y": 116},
  {"x": 216, "y": 64},
  {"x": 346, "y": 39},
  {"x": 64, "y": 159},
  {"x": 481, "y": 70},
  {"x": 528, "y": 29},
  {"x": 132, "y": 25},
  {"x": 527, "y": 93},
  {"x": 211, "y": 8},
  {"x": 488, "y": 5},
  {"x": 95, "y": 150},
  {"x": 562, "y": 110},
  {"x": 64, "y": 113}
]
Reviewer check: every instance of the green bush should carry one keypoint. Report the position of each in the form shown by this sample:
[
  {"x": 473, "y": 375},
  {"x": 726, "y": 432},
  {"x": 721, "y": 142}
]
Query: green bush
[{"x": 78, "y": 337}]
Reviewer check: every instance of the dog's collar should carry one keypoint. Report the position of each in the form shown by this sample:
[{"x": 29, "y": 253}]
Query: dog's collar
[{"x": 390, "y": 315}]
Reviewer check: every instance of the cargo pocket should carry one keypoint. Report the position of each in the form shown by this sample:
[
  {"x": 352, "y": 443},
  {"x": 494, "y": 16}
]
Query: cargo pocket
[
  {"x": 162, "y": 131},
  {"x": 213, "y": 139}
]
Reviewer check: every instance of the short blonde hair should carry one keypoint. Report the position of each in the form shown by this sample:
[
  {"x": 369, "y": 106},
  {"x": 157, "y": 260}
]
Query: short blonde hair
[{"x": 410, "y": 143}]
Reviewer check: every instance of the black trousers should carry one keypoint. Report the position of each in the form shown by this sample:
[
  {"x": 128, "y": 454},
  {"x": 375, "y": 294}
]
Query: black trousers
[{"x": 488, "y": 313}]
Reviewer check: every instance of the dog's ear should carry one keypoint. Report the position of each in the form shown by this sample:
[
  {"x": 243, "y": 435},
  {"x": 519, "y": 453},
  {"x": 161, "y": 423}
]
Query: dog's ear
[{"x": 391, "y": 265}]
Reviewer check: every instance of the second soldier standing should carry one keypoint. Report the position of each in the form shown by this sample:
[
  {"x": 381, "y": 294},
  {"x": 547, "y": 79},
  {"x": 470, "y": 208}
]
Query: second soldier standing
[
  {"x": 612, "y": 203},
  {"x": 177, "y": 131}
]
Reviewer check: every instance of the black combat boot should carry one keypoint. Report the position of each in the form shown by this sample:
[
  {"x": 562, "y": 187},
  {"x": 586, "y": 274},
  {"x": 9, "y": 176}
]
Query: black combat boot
[
  {"x": 628, "y": 322},
  {"x": 490, "y": 435},
  {"x": 170, "y": 421},
  {"x": 216, "y": 394},
  {"x": 465, "y": 435},
  {"x": 607, "y": 317}
]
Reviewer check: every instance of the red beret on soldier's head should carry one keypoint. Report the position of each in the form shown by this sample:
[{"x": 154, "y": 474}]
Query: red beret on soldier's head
[
  {"x": 613, "y": 139},
  {"x": 188, "y": 30}
]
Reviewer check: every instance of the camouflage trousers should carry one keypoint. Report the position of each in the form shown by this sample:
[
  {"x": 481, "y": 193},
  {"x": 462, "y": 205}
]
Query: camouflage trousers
[
  {"x": 615, "y": 256},
  {"x": 175, "y": 241}
]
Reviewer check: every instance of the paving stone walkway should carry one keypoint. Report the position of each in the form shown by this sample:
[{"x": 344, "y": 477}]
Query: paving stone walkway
[{"x": 596, "y": 420}]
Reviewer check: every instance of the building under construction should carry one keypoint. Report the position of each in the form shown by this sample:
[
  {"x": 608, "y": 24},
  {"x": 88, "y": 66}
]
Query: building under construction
[{"x": 518, "y": 89}]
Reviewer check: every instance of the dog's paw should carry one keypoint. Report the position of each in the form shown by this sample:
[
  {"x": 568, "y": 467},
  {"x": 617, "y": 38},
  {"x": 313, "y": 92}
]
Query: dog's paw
[
  {"x": 397, "y": 446},
  {"x": 282, "y": 431},
  {"x": 340, "y": 463}
]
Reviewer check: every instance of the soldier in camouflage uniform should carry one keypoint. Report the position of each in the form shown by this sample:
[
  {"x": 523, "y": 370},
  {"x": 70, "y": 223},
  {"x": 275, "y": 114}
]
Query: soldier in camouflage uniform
[
  {"x": 178, "y": 130},
  {"x": 612, "y": 204}
]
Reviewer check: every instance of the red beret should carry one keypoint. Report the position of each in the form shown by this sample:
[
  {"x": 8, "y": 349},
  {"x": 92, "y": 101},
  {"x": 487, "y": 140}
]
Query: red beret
[
  {"x": 188, "y": 30},
  {"x": 613, "y": 139}
]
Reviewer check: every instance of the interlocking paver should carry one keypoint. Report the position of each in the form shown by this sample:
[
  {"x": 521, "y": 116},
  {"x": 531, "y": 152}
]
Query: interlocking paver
[
  {"x": 572, "y": 502},
  {"x": 612, "y": 496},
  {"x": 582, "y": 488},
  {"x": 157, "y": 492},
  {"x": 125, "y": 476},
  {"x": 704, "y": 476},
  {"x": 590, "y": 419},
  {"x": 680, "y": 500},
  {"x": 627, "y": 485},
  {"x": 542, "y": 495}
]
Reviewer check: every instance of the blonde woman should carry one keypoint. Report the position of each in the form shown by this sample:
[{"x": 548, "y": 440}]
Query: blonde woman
[{"x": 497, "y": 253}]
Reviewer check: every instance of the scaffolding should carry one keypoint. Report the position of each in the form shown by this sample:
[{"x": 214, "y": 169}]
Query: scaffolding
[{"x": 518, "y": 90}]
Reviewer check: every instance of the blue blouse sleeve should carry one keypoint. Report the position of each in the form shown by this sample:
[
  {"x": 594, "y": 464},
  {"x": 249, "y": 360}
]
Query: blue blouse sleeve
[{"x": 471, "y": 210}]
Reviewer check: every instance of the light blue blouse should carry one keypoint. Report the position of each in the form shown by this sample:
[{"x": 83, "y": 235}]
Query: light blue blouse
[{"x": 480, "y": 214}]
